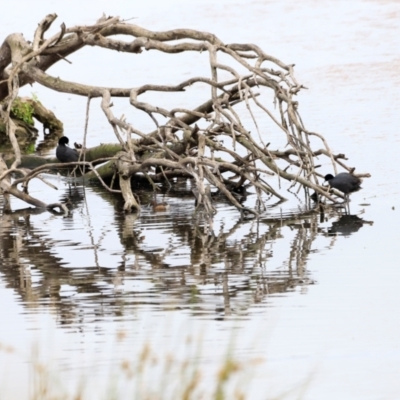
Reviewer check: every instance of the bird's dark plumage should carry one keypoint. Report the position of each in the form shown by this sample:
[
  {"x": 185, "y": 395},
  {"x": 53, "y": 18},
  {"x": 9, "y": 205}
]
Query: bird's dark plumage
[
  {"x": 344, "y": 182},
  {"x": 64, "y": 153}
]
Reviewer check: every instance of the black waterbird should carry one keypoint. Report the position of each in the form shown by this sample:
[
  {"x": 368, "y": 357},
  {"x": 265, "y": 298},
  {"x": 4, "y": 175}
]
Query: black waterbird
[
  {"x": 344, "y": 182},
  {"x": 64, "y": 153}
]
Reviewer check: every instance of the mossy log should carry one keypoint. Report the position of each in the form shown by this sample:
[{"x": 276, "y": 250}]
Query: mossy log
[
  {"x": 99, "y": 153},
  {"x": 45, "y": 116},
  {"x": 23, "y": 112}
]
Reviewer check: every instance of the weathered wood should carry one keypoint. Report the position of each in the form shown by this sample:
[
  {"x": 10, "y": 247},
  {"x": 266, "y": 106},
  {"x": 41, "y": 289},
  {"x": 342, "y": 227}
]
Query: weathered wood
[
  {"x": 223, "y": 153},
  {"x": 123, "y": 163}
]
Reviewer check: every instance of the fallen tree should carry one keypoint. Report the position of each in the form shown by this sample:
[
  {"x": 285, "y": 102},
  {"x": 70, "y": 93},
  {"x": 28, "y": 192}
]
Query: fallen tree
[{"x": 189, "y": 144}]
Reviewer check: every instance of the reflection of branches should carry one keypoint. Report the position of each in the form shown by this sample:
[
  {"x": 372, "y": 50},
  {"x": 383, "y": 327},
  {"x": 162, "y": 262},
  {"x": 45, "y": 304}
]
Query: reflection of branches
[
  {"x": 27, "y": 252},
  {"x": 234, "y": 266},
  {"x": 224, "y": 273}
]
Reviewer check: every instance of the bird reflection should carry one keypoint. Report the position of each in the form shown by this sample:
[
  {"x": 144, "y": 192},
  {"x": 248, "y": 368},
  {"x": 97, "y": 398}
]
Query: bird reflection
[
  {"x": 346, "y": 225},
  {"x": 73, "y": 196}
]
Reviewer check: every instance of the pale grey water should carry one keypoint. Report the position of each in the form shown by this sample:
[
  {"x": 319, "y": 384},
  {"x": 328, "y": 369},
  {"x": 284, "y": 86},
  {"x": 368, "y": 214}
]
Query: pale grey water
[{"x": 103, "y": 289}]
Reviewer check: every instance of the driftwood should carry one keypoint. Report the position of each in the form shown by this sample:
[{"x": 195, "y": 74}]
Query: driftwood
[{"x": 190, "y": 144}]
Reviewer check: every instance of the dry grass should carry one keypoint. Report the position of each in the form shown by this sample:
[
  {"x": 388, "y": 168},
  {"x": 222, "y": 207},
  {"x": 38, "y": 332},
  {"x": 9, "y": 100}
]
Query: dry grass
[{"x": 151, "y": 376}]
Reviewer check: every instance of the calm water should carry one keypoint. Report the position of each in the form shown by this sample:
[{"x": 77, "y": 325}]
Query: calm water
[{"x": 307, "y": 308}]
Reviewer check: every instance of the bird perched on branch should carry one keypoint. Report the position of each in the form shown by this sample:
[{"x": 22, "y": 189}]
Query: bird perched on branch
[
  {"x": 344, "y": 182},
  {"x": 64, "y": 153}
]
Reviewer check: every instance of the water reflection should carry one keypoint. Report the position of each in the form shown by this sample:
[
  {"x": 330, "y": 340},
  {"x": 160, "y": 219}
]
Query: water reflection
[
  {"x": 347, "y": 224},
  {"x": 165, "y": 261}
]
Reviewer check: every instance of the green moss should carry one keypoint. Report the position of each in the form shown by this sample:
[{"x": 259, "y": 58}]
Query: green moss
[
  {"x": 23, "y": 111},
  {"x": 30, "y": 149}
]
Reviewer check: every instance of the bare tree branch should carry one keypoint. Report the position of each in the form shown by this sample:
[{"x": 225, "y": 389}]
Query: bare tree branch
[{"x": 220, "y": 151}]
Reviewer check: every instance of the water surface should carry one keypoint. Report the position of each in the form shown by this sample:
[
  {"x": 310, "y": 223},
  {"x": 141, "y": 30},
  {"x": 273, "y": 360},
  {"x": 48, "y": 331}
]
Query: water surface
[{"x": 306, "y": 307}]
